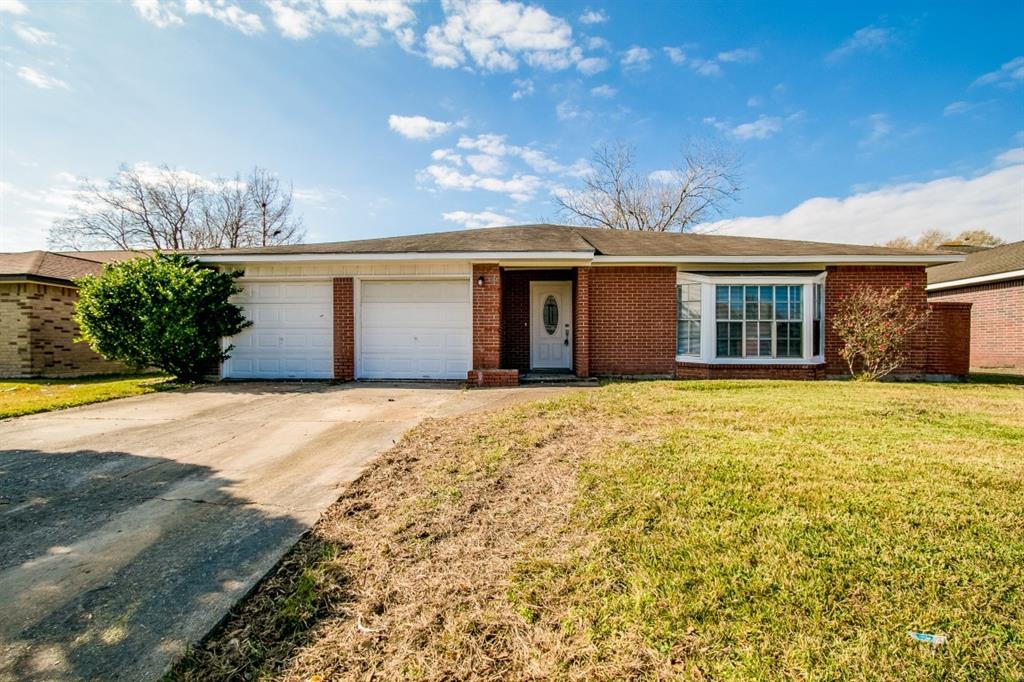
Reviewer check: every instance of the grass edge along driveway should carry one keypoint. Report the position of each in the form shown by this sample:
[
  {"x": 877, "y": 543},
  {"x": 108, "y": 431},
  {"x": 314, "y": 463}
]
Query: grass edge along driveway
[
  {"x": 684, "y": 530},
  {"x": 19, "y": 397}
]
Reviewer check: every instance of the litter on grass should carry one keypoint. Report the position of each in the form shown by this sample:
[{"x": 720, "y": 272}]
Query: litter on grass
[{"x": 927, "y": 638}]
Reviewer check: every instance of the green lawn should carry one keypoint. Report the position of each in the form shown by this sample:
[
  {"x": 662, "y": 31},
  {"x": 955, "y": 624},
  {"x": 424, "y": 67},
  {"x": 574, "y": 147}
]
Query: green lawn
[
  {"x": 666, "y": 530},
  {"x": 27, "y": 396}
]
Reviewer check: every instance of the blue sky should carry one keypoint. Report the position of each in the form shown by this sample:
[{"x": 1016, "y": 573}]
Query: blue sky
[{"x": 855, "y": 123}]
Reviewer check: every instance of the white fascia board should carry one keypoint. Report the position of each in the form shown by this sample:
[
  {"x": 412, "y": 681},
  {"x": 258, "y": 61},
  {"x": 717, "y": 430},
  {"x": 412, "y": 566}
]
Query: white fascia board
[
  {"x": 727, "y": 277},
  {"x": 475, "y": 256},
  {"x": 981, "y": 279},
  {"x": 780, "y": 260}
]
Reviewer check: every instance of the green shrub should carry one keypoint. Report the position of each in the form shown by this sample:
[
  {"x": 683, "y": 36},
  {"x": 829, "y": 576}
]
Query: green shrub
[{"x": 166, "y": 311}]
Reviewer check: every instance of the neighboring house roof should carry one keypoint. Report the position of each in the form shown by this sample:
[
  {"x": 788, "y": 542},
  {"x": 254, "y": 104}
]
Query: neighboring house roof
[
  {"x": 45, "y": 266},
  {"x": 586, "y": 241},
  {"x": 991, "y": 265},
  {"x": 51, "y": 267}
]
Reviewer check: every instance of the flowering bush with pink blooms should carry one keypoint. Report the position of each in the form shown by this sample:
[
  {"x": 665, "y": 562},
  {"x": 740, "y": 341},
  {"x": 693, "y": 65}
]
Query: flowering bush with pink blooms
[{"x": 875, "y": 325}]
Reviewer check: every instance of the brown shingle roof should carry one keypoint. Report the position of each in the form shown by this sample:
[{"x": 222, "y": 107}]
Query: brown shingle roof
[
  {"x": 994, "y": 261},
  {"x": 46, "y": 265},
  {"x": 600, "y": 241}
]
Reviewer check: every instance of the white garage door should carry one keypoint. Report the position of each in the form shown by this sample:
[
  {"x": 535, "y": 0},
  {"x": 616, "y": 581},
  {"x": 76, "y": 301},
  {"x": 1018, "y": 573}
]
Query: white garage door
[
  {"x": 414, "y": 330},
  {"x": 291, "y": 335}
]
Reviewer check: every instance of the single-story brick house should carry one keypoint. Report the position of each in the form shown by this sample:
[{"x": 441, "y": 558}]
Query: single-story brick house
[
  {"x": 992, "y": 281},
  {"x": 491, "y": 304},
  {"x": 37, "y": 298}
]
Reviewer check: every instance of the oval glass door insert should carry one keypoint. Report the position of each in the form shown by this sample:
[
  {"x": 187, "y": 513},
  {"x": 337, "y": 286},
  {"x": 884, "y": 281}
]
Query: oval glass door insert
[{"x": 550, "y": 315}]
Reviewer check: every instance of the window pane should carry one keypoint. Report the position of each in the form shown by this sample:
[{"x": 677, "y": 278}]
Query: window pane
[
  {"x": 688, "y": 312},
  {"x": 736, "y": 303}
]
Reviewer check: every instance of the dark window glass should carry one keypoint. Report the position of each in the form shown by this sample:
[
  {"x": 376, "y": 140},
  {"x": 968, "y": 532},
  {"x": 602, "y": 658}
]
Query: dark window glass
[{"x": 550, "y": 315}]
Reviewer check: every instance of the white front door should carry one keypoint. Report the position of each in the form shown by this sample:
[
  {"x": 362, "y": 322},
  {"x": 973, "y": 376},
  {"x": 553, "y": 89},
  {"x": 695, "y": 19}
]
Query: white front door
[
  {"x": 415, "y": 329},
  {"x": 551, "y": 325}
]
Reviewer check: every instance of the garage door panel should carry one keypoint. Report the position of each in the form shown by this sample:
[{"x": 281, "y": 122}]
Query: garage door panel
[
  {"x": 292, "y": 332},
  {"x": 415, "y": 330}
]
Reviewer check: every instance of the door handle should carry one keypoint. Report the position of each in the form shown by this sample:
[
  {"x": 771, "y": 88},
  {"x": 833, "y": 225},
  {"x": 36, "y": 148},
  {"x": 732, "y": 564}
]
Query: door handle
[{"x": 567, "y": 334}]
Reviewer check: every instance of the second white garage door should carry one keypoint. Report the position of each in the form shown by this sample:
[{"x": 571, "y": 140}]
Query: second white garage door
[{"x": 414, "y": 329}]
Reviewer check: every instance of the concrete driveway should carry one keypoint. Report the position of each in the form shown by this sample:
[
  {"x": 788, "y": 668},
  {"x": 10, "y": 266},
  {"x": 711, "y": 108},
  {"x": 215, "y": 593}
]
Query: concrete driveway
[{"x": 129, "y": 528}]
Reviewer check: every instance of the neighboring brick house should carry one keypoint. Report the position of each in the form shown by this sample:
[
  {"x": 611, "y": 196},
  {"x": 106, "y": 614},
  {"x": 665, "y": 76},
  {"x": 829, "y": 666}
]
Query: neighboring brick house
[
  {"x": 992, "y": 282},
  {"x": 37, "y": 298},
  {"x": 493, "y": 304}
]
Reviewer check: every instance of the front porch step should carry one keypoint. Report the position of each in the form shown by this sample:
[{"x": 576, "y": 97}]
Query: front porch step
[{"x": 563, "y": 378}]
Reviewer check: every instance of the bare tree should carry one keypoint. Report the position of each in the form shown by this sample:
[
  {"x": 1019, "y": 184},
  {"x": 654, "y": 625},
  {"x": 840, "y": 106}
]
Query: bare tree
[
  {"x": 272, "y": 205},
  {"x": 932, "y": 239},
  {"x": 617, "y": 196},
  {"x": 161, "y": 208}
]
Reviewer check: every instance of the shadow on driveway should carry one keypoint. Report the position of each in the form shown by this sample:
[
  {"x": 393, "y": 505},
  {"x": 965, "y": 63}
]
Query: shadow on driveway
[{"x": 110, "y": 563}]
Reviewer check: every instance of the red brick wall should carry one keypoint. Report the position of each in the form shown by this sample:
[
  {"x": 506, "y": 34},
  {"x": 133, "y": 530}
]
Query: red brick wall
[
  {"x": 694, "y": 370},
  {"x": 949, "y": 338},
  {"x": 487, "y": 317},
  {"x": 488, "y": 378},
  {"x": 842, "y": 280},
  {"x": 581, "y": 322},
  {"x": 344, "y": 329},
  {"x": 997, "y": 321},
  {"x": 632, "y": 320}
]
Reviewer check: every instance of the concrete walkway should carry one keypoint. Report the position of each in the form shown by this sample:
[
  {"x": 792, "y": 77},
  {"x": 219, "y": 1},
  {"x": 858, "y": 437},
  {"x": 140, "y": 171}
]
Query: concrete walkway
[{"x": 129, "y": 528}]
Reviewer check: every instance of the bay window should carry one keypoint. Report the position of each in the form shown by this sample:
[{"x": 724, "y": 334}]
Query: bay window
[
  {"x": 744, "y": 318},
  {"x": 688, "y": 319}
]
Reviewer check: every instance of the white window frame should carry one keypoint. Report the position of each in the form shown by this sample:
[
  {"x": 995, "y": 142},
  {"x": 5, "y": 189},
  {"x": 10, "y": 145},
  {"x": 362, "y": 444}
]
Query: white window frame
[{"x": 708, "y": 328}]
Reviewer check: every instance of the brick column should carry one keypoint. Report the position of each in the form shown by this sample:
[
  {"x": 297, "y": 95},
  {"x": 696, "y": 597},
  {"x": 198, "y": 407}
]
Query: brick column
[
  {"x": 486, "y": 316},
  {"x": 344, "y": 329},
  {"x": 949, "y": 339},
  {"x": 581, "y": 323}
]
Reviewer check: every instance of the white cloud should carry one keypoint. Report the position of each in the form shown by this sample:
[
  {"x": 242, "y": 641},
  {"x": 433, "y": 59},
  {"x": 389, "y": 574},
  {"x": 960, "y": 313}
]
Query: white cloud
[
  {"x": 364, "y": 21},
  {"x": 13, "y": 7},
  {"x": 1011, "y": 156},
  {"x": 1007, "y": 76},
  {"x": 706, "y": 67},
  {"x": 675, "y": 54},
  {"x": 598, "y": 43},
  {"x": 33, "y": 35},
  {"x": 957, "y": 108},
  {"x": 879, "y": 128},
  {"x": 566, "y": 110},
  {"x": 591, "y": 65},
  {"x": 492, "y": 34},
  {"x": 591, "y": 17},
  {"x": 448, "y": 155},
  {"x": 667, "y": 177},
  {"x": 418, "y": 127},
  {"x": 519, "y": 187},
  {"x": 229, "y": 15},
  {"x": 478, "y": 220},
  {"x": 524, "y": 88},
  {"x": 41, "y": 80},
  {"x": 485, "y": 164},
  {"x": 603, "y": 91},
  {"x": 741, "y": 55},
  {"x": 636, "y": 58},
  {"x": 754, "y": 101},
  {"x": 991, "y": 201},
  {"x": 761, "y": 129},
  {"x": 297, "y": 23},
  {"x": 867, "y": 39},
  {"x": 157, "y": 13},
  {"x": 488, "y": 143}
]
